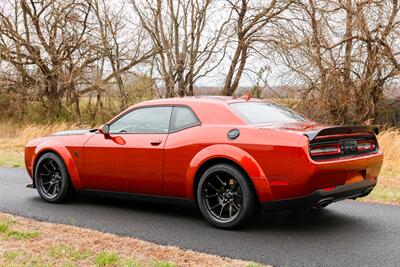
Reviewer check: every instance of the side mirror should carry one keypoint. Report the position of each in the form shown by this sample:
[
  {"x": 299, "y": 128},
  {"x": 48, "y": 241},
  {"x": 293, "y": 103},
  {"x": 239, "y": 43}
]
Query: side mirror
[{"x": 105, "y": 129}]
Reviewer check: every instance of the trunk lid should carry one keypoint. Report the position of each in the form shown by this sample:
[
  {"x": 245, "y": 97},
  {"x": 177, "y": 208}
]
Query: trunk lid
[{"x": 332, "y": 142}]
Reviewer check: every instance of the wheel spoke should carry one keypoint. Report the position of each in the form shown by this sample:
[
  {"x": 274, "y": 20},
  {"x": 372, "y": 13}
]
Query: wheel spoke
[
  {"x": 222, "y": 209},
  {"x": 48, "y": 188},
  {"x": 213, "y": 207},
  {"x": 213, "y": 187},
  {"x": 52, "y": 165},
  {"x": 47, "y": 169},
  {"x": 54, "y": 189},
  {"x": 215, "y": 195},
  {"x": 219, "y": 179},
  {"x": 236, "y": 207}
]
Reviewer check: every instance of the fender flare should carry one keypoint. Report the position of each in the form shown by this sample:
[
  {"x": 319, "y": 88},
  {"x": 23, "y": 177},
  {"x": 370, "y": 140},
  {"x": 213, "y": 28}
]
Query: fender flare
[
  {"x": 58, "y": 148},
  {"x": 237, "y": 155}
]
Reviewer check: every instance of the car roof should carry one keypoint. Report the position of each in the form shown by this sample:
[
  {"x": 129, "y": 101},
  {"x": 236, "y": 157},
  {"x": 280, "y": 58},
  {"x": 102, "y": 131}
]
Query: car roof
[
  {"x": 205, "y": 107},
  {"x": 221, "y": 100}
]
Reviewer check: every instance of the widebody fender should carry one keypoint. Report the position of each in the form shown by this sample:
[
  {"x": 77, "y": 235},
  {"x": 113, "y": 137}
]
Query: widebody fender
[
  {"x": 60, "y": 149},
  {"x": 237, "y": 155}
]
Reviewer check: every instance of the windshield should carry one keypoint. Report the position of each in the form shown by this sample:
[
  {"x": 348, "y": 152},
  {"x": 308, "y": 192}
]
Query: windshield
[{"x": 264, "y": 112}]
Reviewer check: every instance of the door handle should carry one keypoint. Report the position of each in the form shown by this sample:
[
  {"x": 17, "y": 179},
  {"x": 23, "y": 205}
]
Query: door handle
[{"x": 156, "y": 142}]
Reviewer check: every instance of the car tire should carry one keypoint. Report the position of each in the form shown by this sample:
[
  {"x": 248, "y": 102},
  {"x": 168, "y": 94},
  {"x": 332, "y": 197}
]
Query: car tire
[
  {"x": 52, "y": 179},
  {"x": 226, "y": 197}
]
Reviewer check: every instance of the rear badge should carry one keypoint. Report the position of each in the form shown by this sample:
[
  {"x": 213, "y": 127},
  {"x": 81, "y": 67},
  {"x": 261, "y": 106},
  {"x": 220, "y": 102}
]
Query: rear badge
[
  {"x": 349, "y": 147},
  {"x": 233, "y": 134}
]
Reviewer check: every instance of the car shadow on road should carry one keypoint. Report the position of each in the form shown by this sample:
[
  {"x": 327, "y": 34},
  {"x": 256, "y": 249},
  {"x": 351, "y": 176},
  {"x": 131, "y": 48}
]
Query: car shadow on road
[
  {"x": 304, "y": 220},
  {"x": 326, "y": 220}
]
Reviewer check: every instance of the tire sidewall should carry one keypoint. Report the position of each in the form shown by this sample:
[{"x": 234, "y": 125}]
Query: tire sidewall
[
  {"x": 249, "y": 200},
  {"x": 65, "y": 186}
]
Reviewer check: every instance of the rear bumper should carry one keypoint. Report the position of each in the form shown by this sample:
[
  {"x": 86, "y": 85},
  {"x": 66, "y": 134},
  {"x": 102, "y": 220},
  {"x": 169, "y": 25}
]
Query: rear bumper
[{"x": 322, "y": 197}]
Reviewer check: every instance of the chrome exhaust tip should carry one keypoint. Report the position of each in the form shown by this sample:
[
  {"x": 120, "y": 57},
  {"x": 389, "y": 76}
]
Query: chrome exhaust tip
[{"x": 323, "y": 203}]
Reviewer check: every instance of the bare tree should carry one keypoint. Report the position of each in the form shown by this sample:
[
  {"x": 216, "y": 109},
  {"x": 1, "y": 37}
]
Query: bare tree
[
  {"x": 186, "y": 46},
  {"x": 124, "y": 47},
  {"x": 345, "y": 52},
  {"x": 51, "y": 50},
  {"x": 249, "y": 23},
  {"x": 48, "y": 44}
]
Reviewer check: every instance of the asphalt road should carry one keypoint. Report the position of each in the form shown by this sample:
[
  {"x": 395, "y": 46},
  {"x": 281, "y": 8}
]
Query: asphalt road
[{"x": 345, "y": 234}]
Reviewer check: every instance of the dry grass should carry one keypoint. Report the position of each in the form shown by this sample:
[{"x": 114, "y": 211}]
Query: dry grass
[
  {"x": 13, "y": 138},
  {"x": 389, "y": 141},
  {"x": 47, "y": 244},
  {"x": 11, "y": 158},
  {"x": 388, "y": 189}
]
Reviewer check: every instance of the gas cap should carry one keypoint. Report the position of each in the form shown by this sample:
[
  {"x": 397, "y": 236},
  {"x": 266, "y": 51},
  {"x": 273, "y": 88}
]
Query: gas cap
[{"x": 233, "y": 134}]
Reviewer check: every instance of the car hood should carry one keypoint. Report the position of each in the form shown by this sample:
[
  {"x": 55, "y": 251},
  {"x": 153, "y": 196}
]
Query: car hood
[{"x": 75, "y": 132}]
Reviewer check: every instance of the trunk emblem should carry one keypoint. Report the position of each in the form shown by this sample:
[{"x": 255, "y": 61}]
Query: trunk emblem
[{"x": 349, "y": 146}]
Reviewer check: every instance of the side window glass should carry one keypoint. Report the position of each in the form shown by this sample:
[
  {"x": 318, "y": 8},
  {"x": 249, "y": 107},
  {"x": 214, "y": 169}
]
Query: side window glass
[
  {"x": 182, "y": 118},
  {"x": 143, "y": 120}
]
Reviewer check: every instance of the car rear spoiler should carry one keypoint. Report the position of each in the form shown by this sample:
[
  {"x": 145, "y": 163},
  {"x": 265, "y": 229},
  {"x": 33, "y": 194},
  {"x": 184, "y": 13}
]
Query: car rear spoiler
[{"x": 342, "y": 130}]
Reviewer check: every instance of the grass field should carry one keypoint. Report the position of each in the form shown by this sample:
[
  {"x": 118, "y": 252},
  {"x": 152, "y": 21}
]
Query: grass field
[
  {"x": 25, "y": 242},
  {"x": 14, "y": 137}
]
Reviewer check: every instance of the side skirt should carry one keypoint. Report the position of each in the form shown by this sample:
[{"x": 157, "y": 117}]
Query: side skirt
[{"x": 140, "y": 197}]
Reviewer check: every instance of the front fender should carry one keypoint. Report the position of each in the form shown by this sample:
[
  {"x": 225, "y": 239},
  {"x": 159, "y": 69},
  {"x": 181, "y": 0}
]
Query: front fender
[
  {"x": 237, "y": 155},
  {"x": 58, "y": 148}
]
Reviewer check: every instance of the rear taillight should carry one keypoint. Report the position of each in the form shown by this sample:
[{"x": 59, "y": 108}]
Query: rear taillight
[
  {"x": 363, "y": 145},
  {"x": 328, "y": 149}
]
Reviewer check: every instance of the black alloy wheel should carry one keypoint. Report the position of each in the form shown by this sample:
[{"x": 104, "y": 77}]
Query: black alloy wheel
[
  {"x": 226, "y": 197},
  {"x": 52, "y": 179}
]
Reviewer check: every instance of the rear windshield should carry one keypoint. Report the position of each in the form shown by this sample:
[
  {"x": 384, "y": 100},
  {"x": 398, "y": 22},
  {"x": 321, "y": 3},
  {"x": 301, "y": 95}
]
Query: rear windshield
[{"x": 263, "y": 112}]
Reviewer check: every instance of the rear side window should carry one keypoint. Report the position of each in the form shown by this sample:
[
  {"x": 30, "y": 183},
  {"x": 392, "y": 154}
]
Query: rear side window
[
  {"x": 264, "y": 112},
  {"x": 182, "y": 118}
]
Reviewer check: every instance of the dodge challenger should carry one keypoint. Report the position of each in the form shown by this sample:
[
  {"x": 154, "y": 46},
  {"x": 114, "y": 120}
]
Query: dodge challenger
[{"x": 232, "y": 157}]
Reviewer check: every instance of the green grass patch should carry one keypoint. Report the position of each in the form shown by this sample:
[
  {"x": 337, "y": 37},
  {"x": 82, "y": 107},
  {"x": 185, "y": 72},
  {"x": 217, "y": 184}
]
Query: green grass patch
[
  {"x": 131, "y": 263},
  {"x": 163, "y": 264},
  {"x": 68, "y": 252},
  {"x": 3, "y": 228},
  {"x": 19, "y": 235},
  {"x": 106, "y": 258},
  {"x": 5, "y": 224},
  {"x": 21, "y": 258},
  {"x": 254, "y": 265},
  {"x": 12, "y": 255}
]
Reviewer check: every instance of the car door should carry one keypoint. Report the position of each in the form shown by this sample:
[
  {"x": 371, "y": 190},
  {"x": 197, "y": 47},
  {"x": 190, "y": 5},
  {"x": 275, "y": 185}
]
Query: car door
[
  {"x": 182, "y": 145},
  {"x": 130, "y": 159}
]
